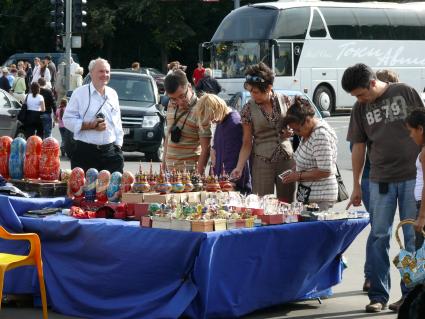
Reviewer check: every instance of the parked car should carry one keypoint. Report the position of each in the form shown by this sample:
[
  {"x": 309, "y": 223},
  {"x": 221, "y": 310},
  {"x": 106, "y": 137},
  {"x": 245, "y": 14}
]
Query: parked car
[
  {"x": 57, "y": 57},
  {"x": 142, "y": 116},
  {"x": 239, "y": 99},
  {"x": 158, "y": 76},
  {"x": 9, "y": 109}
]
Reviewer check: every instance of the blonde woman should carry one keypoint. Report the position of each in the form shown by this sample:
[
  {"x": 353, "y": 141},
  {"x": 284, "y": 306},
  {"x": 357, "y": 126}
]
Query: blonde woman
[{"x": 227, "y": 137}]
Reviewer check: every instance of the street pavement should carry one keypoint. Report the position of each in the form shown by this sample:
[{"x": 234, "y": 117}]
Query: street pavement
[{"x": 348, "y": 300}]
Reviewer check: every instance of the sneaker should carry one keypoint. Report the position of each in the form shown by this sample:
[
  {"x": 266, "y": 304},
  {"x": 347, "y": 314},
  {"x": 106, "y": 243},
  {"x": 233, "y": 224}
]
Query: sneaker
[
  {"x": 366, "y": 285},
  {"x": 375, "y": 306},
  {"x": 396, "y": 305}
]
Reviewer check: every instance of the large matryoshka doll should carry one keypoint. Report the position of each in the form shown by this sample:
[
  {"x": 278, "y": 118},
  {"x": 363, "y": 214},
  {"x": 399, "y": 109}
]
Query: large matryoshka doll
[
  {"x": 32, "y": 157},
  {"x": 90, "y": 186},
  {"x": 49, "y": 161},
  {"x": 17, "y": 157},
  {"x": 102, "y": 184},
  {"x": 76, "y": 184},
  {"x": 5, "y": 142},
  {"x": 127, "y": 182},
  {"x": 114, "y": 189}
]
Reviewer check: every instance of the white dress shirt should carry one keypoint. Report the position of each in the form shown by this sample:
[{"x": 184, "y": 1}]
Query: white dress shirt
[
  {"x": 79, "y": 111},
  {"x": 35, "y": 74}
]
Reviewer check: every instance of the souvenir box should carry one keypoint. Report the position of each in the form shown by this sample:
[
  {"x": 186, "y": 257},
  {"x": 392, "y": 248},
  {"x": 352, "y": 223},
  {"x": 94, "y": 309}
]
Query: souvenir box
[
  {"x": 220, "y": 224},
  {"x": 132, "y": 198},
  {"x": 193, "y": 197},
  {"x": 162, "y": 198},
  {"x": 275, "y": 219},
  {"x": 146, "y": 221},
  {"x": 231, "y": 223},
  {"x": 43, "y": 189},
  {"x": 161, "y": 222},
  {"x": 140, "y": 210},
  {"x": 240, "y": 223},
  {"x": 202, "y": 225},
  {"x": 249, "y": 222},
  {"x": 181, "y": 224}
]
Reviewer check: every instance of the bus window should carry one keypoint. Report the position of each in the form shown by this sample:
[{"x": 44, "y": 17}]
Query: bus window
[
  {"x": 406, "y": 25},
  {"x": 374, "y": 24},
  {"x": 317, "y": 29},
  {"x": 341, "y": 23},
  {"x": 283, "y": 63},
  {"x": 292, "y": 24}
]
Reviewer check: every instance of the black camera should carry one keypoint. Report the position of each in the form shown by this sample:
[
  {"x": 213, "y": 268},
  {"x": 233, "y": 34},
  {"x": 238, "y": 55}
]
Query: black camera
[
  {"x": 100, "y": 115},
  {"x": 176, "y": 133}
]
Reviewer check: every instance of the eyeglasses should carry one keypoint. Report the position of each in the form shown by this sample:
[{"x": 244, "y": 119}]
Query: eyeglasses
[
  {"x": 182, "y": 97},
  {"x": 254, "y": 78}
]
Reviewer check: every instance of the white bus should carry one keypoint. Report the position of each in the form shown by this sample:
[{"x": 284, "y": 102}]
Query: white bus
[{"x": 309, "y": 44}]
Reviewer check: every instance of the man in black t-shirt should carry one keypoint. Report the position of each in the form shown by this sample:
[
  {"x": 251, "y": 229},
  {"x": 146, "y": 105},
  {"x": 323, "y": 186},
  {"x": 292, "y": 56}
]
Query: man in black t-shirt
[{"x": 49, "y": 102}]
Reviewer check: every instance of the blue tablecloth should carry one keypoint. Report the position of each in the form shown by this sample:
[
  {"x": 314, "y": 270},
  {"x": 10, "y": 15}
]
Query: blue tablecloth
[{"x": 114, "y": 269}]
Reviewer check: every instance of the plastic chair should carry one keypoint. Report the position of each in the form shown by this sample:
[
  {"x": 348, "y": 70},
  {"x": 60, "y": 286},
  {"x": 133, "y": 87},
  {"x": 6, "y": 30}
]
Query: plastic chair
[{"x": 10, "y": 261}]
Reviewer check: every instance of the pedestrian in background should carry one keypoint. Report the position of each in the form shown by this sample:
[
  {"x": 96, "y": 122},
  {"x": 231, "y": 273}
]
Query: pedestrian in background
[
  {"x": 50, "y": 106},
  {"x": 208, "y": 84},
  {"x": 19, "y": 86},
  {"x": 4, "y": 81},
  {"x": 135, "y": 66},
  {"x": 67, "y": 140},
  {"x": 377, "y": 119},
  {"x": 35, "y": 107},
  {"x": 198, "y": 73},
  {"x": 77, "y": 78}
]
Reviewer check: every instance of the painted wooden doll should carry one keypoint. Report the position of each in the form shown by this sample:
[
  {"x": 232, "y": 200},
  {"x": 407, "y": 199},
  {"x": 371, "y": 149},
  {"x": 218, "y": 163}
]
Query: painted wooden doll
[
  {"x": 127, "y": 182},
  {"x": 17, "y": 157},
  {"x": 76, "y": 184},
  {"x": 114, "y": 189},
  {"x": 5, "y": 142},
  {"x": 32, "y": 157},
  {"x": 49, "y": 161},
  {"x": 102, "y": 184}
]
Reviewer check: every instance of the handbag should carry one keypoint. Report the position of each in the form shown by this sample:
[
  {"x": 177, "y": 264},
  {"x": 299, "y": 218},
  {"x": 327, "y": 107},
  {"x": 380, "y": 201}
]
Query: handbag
[
  {"x": 342, "y": 191},
  {"x": 303, "y": 193},
  {"x": 411, "y": 265},
  {"x": 22, "y": 115}
]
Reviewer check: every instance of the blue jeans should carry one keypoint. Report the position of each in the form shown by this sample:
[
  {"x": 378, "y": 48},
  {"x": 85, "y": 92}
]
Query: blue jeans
[
  {"x": 46, "y": 119},
  {"x": 382, "y": 208}
]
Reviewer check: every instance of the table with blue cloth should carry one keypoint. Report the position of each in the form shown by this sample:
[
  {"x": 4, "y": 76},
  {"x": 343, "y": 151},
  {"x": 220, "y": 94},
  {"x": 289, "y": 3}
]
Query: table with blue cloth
[{"x": 102, "y": 268}]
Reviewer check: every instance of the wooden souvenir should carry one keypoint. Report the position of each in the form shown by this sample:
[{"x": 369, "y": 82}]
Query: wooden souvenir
[
  {"x": 32, "y": 157},
  {"x": 202, "y": 225},
  {"x": 17, "y": 157},
  {"x": 49, "y": 160},
  {"x": 178, "y": 186},
  {"x": 152, "y": 178},
  {"x": 188, "y": 186},
  {"x": 102, "y": 184},
  {"x": 114, "y": 189},
  {"x": 220, "y": 224},
  {"x": 212, "y": 184},
  {"x": 5, "y": 143},
  {"x": 76, "y": 184},
  {"x": 127, "y": 182},
  {"x": 163, "y": 186},
  {"x": 90, "y": 185},
  {"x": 197, "y": 182},
  {"x": 65, "y": 175}
]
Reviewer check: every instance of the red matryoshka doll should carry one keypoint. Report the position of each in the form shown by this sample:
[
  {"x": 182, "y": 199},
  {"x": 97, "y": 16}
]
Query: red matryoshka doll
[
  {"x": 49, "y": 161},
  {"x": 32, "y": 157},
  {"x": 5, "y": 142},
  {"x": 102, "y": 184},
  {"x": 127, "y": 182},
  {"x": 76, "y": 184}
]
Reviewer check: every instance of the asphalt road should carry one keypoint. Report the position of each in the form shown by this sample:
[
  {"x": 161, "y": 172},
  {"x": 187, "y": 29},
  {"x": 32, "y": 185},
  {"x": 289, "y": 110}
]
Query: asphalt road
[{"x": 348, "y": 300}]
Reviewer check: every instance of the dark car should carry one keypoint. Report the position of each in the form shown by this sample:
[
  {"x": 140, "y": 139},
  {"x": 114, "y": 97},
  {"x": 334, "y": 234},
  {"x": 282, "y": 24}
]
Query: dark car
[
  {"x": 57, "y": 57},
  {"x": 9, "y": 109},
  {"x": 157, "y": 75},
  {"x": 141, "y": 114}
]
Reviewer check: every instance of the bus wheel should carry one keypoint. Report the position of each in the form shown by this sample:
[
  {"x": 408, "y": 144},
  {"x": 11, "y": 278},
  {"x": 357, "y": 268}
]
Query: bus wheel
[{"x": 324, "y": 100}]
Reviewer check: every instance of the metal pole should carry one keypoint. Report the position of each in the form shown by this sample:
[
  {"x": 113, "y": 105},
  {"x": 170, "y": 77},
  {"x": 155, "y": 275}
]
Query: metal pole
[
  {"x": 68, "y": 37},
  {"x": 237, "y": 3}
]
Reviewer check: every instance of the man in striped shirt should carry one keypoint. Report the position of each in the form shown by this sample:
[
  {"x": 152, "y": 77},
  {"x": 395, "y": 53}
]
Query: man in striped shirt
[{"x": 185, "y": 142}]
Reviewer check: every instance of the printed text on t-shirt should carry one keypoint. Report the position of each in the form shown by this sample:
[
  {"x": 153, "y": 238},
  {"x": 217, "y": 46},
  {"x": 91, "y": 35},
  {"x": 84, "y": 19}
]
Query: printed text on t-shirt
[{"x": 388, "y": 110}]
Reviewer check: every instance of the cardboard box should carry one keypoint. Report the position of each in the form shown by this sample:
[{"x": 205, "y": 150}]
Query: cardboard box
[
  {"x": 240, "y": 223},
  {"x": 231, "y": 223},
  {"x": 162, "y": 198},
  {"x": 132, "y": 198},
  {"x": 202, "y": 225},
  {"x": 181, "y": 224},
  {"x": 161, "y": 222},
  {"x": 272, "y": 219},
  {"x": 146, "y": 221},
  {"x": 140, "y": 210},
  {"x": 249, "y": 222},
  {"x": 220, "y": 224},
  {"x": 204, "y": 195}
]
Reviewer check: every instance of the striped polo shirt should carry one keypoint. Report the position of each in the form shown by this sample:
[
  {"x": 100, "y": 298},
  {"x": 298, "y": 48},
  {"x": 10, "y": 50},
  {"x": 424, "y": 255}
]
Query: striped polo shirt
[
  {"x": 319, "y": 150},
  {"x": 189, "y": 148}
]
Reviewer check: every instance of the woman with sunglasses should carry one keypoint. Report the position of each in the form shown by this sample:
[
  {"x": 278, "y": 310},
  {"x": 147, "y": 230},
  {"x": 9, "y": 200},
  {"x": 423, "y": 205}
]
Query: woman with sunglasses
[
  {"x": 262, "y": 136},
  {"x": 315, "y": 156}
]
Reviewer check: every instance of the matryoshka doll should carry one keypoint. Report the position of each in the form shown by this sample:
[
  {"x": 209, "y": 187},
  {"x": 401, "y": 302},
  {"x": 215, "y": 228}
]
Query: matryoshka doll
[
  {"x": 5, "y": 142},
  {"x": 32, "y": 157},
  {"x": 102, "y": 184},
  {"x": 76, "y": 184},
  {"x": 114, "y": 189},
  {"x": 49, "y": 161},
  {"x": 17, "y": 157},
  {"x": 90, "y": 185},
  {"x": 127, "y": 182}
]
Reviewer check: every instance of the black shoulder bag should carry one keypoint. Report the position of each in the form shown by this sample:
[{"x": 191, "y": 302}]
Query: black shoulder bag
[{"x": 22, "y": 115}]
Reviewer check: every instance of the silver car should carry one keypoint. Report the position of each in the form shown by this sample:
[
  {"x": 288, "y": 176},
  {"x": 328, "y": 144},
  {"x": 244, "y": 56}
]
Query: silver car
[{"x": 9, "y": 109}]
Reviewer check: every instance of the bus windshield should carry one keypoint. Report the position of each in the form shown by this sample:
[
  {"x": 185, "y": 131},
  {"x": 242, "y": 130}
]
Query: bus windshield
[{"x": 230, "y": 59}]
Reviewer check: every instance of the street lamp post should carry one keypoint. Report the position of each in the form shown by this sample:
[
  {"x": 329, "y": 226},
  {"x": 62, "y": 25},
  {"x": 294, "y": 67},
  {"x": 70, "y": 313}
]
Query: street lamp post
[{"x": 237, "y": 3}]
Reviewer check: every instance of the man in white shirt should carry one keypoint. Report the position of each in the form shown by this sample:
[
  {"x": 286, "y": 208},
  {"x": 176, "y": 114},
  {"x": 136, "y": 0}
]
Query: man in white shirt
[
  {"x": 93, "y": 115},
  {"x": 36, "y": 71}
]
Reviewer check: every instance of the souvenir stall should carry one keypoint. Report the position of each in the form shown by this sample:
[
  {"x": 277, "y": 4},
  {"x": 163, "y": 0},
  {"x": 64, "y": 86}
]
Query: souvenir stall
[{"x": 175, "y": 243}]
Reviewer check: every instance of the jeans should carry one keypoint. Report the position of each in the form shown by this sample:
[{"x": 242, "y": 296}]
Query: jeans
[
  {"x": 382, "y": 208},
  {"x": 46, "y": 119},
  {"x": 366, "y": 199}
]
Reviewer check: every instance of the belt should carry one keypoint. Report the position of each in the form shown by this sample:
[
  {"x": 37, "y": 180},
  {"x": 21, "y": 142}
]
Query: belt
[{"x": 94, "y": 146}]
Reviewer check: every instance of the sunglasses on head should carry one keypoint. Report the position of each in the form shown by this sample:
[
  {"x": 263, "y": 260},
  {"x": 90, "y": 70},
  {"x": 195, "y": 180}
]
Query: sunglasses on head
[{"x": 254, "y": 79}]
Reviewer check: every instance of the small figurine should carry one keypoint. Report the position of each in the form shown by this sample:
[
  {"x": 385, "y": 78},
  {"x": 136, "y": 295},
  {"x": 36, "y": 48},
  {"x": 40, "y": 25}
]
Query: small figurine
[
  {"x": 5, "y": 142},
  {"x": 102, "y": 184},
  {"x": 49, "y": 160},
  {"x": 114, "y": 189},
  {"x": 163, "y": 186},
  {"x": 65, "y": 175},
  {"x": 127, "y": 182},
  {"x": 90, "y": 185},
  {"x": 224, "y": 182},
  {"x": 17, "y": 156},
  {"x": 212, "y": 184},
  {"x": 32, "y": 157},
  {"x": 152, "y": 178},
  {"x": 188, "y": 186},
  {"x": 76, "y": 184},
  {"x": 177, "y": 185},
  {"x": 197, "y": 182}
]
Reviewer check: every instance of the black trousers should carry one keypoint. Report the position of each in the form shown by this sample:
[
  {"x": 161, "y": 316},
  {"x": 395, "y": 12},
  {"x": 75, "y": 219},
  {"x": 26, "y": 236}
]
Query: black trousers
[
  {"x": 109, "y": 157},
  {"x": 33, "y": 124}
]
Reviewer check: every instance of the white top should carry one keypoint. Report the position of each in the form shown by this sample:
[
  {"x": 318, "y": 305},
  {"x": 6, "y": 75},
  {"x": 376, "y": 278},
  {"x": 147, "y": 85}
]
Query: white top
[
  {"x": 319, "y": 151},
  {"x": 34, "y": 103},
  {"x": 419, "y": 179},
  {"x": 79, "y": 111},
  {"x": 35, "y": 74}
]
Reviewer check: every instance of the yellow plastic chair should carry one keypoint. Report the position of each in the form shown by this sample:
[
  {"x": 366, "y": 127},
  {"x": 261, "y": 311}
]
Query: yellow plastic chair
[{"x": 9, "y": 261}]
